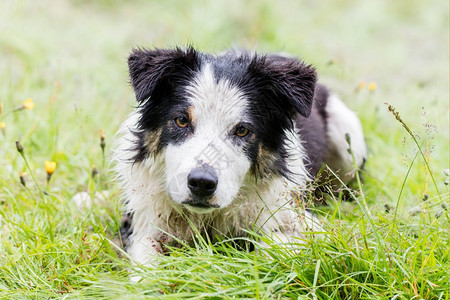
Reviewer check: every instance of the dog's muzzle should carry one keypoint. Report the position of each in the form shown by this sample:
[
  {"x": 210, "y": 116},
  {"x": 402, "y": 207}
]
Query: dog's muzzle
[{"x": 202, "y": 184}]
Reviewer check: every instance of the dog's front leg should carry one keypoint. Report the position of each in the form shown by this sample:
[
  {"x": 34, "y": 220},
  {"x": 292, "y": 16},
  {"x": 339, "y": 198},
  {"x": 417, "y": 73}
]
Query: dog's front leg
[{"x": 144, "y": 249}]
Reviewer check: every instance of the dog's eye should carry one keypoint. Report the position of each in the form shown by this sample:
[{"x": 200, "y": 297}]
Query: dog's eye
[
  {"x": 182, "y": 122},
  {"x": 241, "y": 131}
]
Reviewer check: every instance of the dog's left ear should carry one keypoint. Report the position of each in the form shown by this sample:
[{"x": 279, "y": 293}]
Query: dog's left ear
[{"x": 288, "y": 81}]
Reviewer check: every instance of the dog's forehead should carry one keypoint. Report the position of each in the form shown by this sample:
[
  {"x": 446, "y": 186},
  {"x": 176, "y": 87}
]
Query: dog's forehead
[
  {"x": 230, "y": 65},
  {"x": 214, "y": 96}
]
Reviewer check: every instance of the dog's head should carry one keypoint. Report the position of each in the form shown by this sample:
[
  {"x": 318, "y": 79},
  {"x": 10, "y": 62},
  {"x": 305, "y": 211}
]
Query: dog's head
[{"x": 216, "y": 119}]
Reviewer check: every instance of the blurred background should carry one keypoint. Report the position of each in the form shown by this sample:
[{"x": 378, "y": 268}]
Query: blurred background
[{"x": 70, "y": 58}]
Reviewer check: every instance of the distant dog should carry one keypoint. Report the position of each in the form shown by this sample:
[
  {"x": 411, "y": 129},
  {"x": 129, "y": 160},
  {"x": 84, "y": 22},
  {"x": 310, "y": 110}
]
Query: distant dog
[{"x": 224, "y": 143}]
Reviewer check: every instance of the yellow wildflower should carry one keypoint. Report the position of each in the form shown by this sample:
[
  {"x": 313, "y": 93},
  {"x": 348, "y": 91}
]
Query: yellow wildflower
[
  {"x": 361, "y": 85},
  {"x": 372, "y": 86},
  {"x": 50, "y": 167},
  {"x": 102, "y": 134},
  {"x": 1, "y": 107},
  {"x": 2, "y": 125},
  {"x": 28, "y": 104}
]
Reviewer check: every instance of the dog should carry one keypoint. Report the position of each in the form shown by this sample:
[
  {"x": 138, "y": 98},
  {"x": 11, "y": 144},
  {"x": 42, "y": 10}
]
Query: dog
[{"x": 225, "y": 144}]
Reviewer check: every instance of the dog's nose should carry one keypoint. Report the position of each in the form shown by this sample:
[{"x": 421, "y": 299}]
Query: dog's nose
[{"x": 202, "y": 183}]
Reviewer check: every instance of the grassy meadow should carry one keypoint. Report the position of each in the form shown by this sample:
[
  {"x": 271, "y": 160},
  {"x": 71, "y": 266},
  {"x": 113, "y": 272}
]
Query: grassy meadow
[{"x": 64, "y": 83}]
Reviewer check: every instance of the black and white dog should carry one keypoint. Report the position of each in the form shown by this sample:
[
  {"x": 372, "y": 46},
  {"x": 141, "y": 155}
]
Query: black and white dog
[{"x": 224, "y": 143}]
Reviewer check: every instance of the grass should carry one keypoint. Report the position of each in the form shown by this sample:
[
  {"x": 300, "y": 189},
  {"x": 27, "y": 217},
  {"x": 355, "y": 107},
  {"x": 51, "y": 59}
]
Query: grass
[{"x": 70, "y": 58}]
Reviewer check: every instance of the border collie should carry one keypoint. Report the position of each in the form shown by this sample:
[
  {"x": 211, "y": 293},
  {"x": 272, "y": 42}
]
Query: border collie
[{"x": 225, "y": 143}]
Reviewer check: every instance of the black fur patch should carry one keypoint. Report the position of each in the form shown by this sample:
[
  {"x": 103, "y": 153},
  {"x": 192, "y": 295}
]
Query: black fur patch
[{"x": 158, "y": 77}]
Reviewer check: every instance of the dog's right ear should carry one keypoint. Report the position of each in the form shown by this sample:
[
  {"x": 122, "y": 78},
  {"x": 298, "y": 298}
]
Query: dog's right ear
[{"x": 153, "y": 71}]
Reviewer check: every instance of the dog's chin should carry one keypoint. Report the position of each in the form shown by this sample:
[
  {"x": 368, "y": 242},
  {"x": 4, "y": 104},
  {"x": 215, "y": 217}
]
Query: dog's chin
[{"x": 199, "y": 207}]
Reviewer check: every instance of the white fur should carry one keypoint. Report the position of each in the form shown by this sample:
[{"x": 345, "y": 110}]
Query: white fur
[{"x": 341, "y": 120}]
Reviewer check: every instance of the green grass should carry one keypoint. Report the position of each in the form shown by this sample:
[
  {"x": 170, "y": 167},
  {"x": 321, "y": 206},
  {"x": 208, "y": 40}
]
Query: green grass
[{"x": 70, "y": 58}]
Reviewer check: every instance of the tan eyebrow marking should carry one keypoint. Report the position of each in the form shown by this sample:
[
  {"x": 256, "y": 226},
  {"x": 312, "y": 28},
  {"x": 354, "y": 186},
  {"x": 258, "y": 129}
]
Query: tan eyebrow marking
[{"x": 191, "y": 114}]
